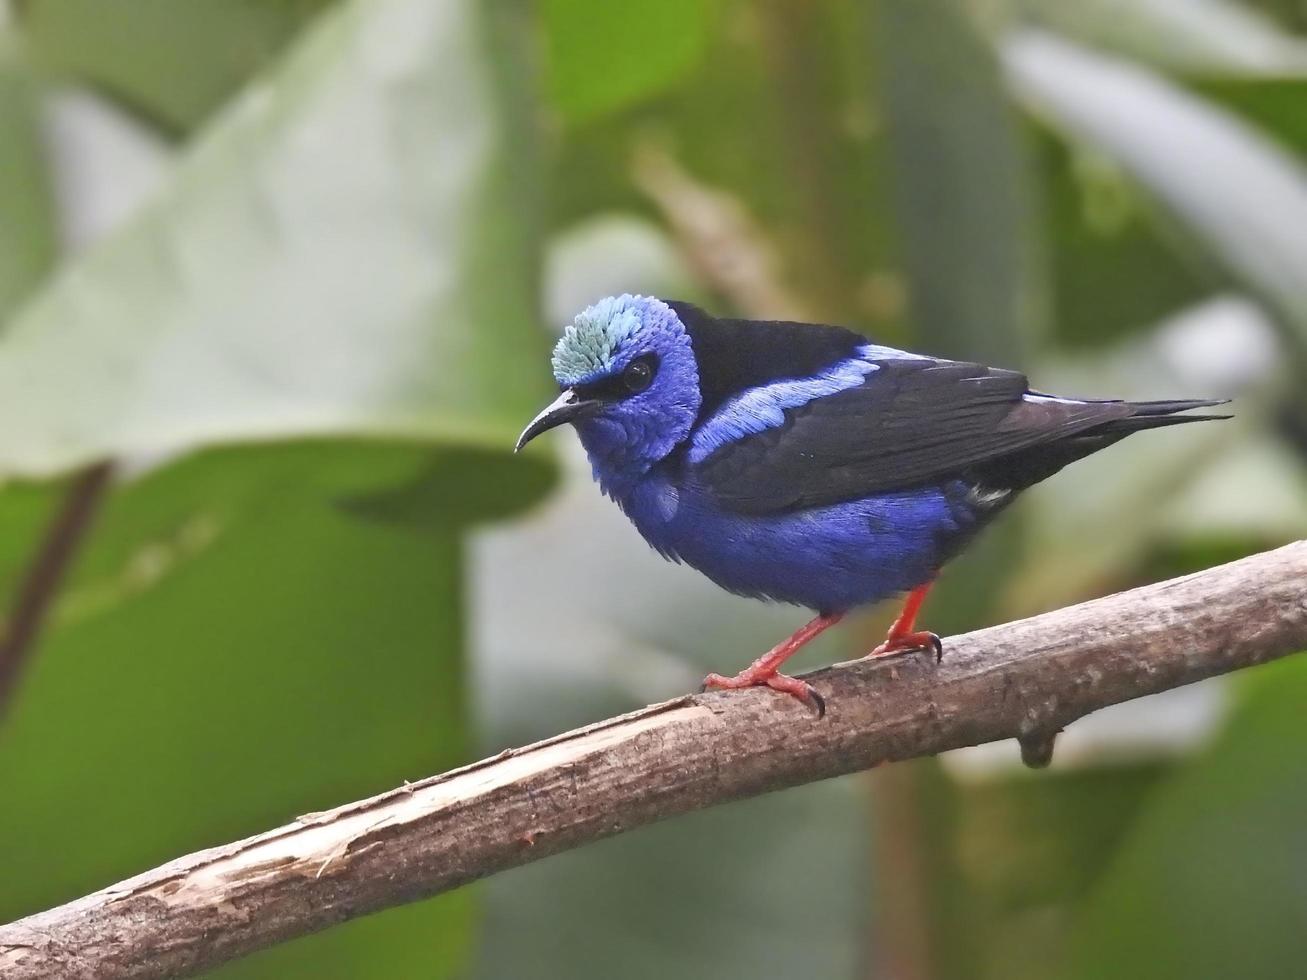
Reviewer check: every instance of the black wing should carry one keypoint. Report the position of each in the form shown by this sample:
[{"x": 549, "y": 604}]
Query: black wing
[
  {"x": 734, "y": 355},
  {"x": 911, "y": 422}
]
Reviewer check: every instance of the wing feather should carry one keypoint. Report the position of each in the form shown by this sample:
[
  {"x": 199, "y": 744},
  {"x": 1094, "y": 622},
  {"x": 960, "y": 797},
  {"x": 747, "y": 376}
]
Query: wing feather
[{"x": 912, "y": 421}]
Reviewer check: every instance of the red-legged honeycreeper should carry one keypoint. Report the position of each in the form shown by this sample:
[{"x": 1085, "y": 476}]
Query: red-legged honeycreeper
[{"x": 803, "y": 463}]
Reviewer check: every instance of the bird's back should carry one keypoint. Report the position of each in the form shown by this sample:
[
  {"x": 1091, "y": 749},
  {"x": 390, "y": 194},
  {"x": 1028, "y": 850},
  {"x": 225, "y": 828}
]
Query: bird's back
[{"x": 797, "y": 416}]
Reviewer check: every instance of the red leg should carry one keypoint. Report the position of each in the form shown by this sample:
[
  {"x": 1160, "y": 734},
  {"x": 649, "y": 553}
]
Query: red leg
[
  {"x": 765, "y": 670},
  {"x": 903, "y": 635}
]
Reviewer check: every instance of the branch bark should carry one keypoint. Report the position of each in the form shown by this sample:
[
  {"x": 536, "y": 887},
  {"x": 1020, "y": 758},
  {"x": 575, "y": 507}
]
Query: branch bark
[{"x": 1021, "y": 679}]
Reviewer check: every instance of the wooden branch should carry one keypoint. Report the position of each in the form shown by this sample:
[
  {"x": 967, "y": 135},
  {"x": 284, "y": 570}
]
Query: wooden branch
[{"x": 1021, "y": 679}]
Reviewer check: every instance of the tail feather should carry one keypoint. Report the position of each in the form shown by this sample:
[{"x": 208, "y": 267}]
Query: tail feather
[
  {"x": 1178, "y": 405},
  {"x": 1028, "y": 466},
  {"x": 1154, "y": 415}
]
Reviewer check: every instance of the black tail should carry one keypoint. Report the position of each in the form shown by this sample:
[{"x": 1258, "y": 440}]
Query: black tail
[
  {"x": 1153, "y": 415},
  {"x": 1179, "y": 405},
  {"x": 1028, "y": 466}
]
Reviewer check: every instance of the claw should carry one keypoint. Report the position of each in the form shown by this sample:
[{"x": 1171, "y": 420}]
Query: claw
[
  {"x": 764, "y": 670},
  {"x": 902, "y": 637},
  {"x": 818, "y": 702},
  {"x": 802, "y": 690}
]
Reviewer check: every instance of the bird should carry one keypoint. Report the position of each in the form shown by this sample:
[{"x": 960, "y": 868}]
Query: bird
[{"x": 806, "y": 464}]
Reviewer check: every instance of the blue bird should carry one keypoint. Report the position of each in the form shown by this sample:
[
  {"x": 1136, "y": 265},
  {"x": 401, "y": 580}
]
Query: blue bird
[{"x": 802, "y": 463}]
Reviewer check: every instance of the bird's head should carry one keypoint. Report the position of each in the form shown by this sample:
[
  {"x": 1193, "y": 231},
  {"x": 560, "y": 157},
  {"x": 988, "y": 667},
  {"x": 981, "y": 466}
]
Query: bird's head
[{"x": 629, "y": 384}]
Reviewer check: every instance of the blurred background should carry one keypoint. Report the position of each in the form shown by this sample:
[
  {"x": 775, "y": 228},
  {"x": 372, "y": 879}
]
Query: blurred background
[{"x": 295, "y": 267}]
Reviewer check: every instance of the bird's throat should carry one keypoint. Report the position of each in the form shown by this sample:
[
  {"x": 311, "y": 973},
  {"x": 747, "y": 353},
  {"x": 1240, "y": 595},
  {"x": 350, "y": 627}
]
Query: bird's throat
[{"x": 617, "y": 462}]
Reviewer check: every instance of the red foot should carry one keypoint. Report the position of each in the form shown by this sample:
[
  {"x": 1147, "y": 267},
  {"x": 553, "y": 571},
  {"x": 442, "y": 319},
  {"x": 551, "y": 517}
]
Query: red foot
[
  {"x": 903, "y": 637},
  {"x": 777, "y": 682},
  {"x": 903, "y": 642},
  {"x": 766, "y": 669}
]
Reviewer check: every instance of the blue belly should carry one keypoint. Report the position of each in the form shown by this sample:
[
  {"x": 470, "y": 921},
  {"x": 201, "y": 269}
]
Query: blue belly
[{"x": 830, "y": 559}]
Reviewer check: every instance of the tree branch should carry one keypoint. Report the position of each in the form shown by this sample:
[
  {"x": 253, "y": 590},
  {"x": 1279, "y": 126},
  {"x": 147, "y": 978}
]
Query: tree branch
[{"x": 1022, "y": 678}]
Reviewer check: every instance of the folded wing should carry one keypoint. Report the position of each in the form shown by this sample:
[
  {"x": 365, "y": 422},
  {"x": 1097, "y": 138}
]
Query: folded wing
[{"x": 911, "y": 421}]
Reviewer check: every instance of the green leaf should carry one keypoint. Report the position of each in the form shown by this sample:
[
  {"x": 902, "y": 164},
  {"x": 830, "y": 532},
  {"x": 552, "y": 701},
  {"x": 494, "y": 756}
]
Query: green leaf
[
  {"x": 960, "y": 180},
  {"x": 267, "y": 655},
  {"x": 1242, "y": 197},
  {"x": 173, "y": 65},
  {"x": 604, "y": 57},
  {"x": 347, "y": 253},
  {"x": 332, "y": 298},
  {"x": 1209, "y": 884},
  {"x": 28, "y": 239}
]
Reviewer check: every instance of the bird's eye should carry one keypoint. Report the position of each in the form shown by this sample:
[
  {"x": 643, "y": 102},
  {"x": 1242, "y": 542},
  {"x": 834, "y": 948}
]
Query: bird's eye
[{"x": 638, "y": 375}]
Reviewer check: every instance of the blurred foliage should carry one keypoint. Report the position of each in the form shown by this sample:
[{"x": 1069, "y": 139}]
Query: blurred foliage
[
  {"x": 264, "y": 341},
  {"x": 311, "y": 350},
  {"x": 202, "y": 680},
  {"x": 604, "y": 56},
  {"x": 28, "y": 241},
  {"x": 1192, "y": 37},
  {"x": 1242, "y": 197},
  {"x": 1209, "y": 881},
  {"x": 962, "y": 182},
  {"x": 755, "y": 889},
  {"x": 174, "y": 70},
  {"x": 1102, "y": 233},
  {"x": 253, "y": 299}
]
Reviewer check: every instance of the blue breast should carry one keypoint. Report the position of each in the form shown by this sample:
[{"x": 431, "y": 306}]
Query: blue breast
[{"x": 829, "y": 558}]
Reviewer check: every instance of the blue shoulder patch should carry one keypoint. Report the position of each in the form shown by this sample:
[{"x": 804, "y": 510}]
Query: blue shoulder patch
[{"x": 761, "y": 408}]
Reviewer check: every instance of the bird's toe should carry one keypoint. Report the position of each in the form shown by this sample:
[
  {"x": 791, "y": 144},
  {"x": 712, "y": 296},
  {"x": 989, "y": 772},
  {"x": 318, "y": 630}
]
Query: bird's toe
[
  {"x": 798, "y": 689},
  {"x": 801, "y": 690},
  {"x": 895, "y": 645}
]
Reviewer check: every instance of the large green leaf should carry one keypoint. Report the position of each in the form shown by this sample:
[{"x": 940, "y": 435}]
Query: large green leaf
[
  {"x": 174, "y": 65},
  {"x": 1209, "y": 884},
  {"x": 28, "y": 241},
  {"x": 344, "y": 254},
  {"x": 238, "y": 651},
  {"x": 961, "y": 183},
  {"x": 329, "y": 310},
  {"x": 1242, "y": 197}
]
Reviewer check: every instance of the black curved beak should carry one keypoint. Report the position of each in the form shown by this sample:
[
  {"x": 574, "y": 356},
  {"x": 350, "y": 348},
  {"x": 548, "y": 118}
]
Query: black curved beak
[{"x": 565, "y": 408}]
